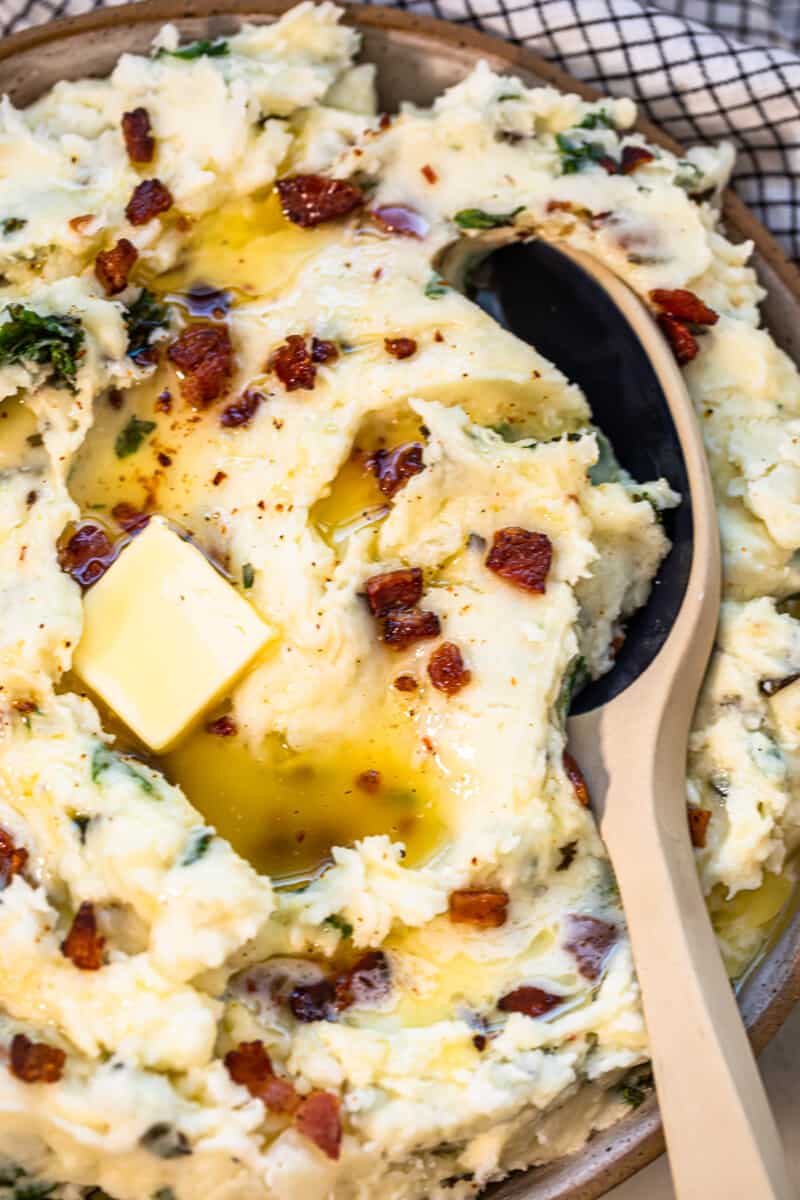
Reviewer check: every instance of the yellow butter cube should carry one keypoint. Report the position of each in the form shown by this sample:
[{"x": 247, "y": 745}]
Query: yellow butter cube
[{"x": 164, "y": 635}]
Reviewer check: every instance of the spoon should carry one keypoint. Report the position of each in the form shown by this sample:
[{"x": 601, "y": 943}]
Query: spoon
[{"x": 629, "y": 731}]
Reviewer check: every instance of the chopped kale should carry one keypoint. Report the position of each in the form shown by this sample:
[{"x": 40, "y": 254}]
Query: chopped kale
[
  {"x": 337, "y": 922},
  {"x": 508, "y": 96},
  {"x": 577, "y": 154},
  {"x": 606, "y": 469},
  {"x": 576, "y": 678},
  {"x": 477, "y": 218},
  {"x": 103, "y": 759},
  {"x": 197, "y": 845},
  {"x": 688, "y": 176},
  {"x": 597, "y": 120},
  {"x": 436, "y": 287},
  {"x": 28, "y": 337},
  {"x": 13, "y": 224},
  {"x": 131, "y": 436},
  {"x": 248, "y": 575},
  {"x": 200, "y": 49},
  {"x": 142, "y": 318}
]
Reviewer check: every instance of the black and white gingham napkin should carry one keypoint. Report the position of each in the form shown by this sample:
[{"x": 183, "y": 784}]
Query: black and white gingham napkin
[{"x": 702, "y": 69}]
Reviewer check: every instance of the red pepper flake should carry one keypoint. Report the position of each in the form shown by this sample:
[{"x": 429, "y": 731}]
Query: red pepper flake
[
  {"x": 521, "y": 557},
  {"x": 224, "y": 726},
  {"x": 83, "y": 946},
  {"x": 684, "y": 346},
  {"x": 393, "y": 468},
  {"x": 698, "y": 825},
  {"x": 35, "y": 1062},
  {"x": 446, "y": 669},
  {"x": 403, "y": 626},
  {"x": 575, "y": 776},
  {"x": 139, "y": 140},
  {"x": 367, "y": 982},
  {"x": 204, "y": 357},
  {"x": 87, "y": 554},
  {"x": 128, "y": 517},
  {"x": 250, "y": 1066},
  {"x": 112, "y": 267},
  {"x": 405, "y": 683},
  {"x": 369, "y": 782},
  {"x": 293, "y": 364},
  {"x": 683, "y": 306},
  {"x": 487, "y": 908},
  {"x": 634, "y": 157},
  {"x": 12, "y": 857},
  {"x": 309, "y": 200},
  {"x": 530, "y": 1001},
  {"x": 400, "y": 219},
  {"x": 429, "y": 173},
  {"x": 400, "y": 347},
  {"x": 149, "y": 199},
  {"x": 393, "y": 589},
  {"x": 589, "y": 939},
  {"x": 322, "y": 351},
  {"x": 318, "y": 1119},
  {"x": 241, "y": 412}
]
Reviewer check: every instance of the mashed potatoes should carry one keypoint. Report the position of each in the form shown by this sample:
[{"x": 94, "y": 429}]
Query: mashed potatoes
[{"x": 354, "y": 931}]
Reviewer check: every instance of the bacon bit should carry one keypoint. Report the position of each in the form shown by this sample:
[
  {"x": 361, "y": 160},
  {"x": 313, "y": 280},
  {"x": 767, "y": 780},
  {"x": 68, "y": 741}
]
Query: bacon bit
[
  {"x": 224, "y": 726},
  {"x": 219, "y": 478},
  {"x": 249, "y": 1065},
  {"x": 24, "y": 707},
  {"x": 241, "y": 412},
  {"x": 575, "y": 776},
  {"x": 405, "y": 683},
  {"x": 318, "y": 1119},
  {"x": 322, "y": 351},
  {"x": 400, "y": 347},
  {"x": 83, "y": 946},
  {"x": 521, "y": 557},
  {"x": 590, "y": 940},
  {"x": 393, "y": 589},
  {"x": 634, "y": 157},
  {"x": 78, "y": 224},
  {"x": 473, "y": 906},
  {"x": 35, "y": 1062},
  {"x": 293, "y": 364},
  {"x": 87, "y": 555},
  {"x": 31, "y": 498},
  {"x": 309, "y": 200},
  {"x": 480, "y": 1041},
  {"x": 530, "y": 1001},
  {"x": 128, "y": 517},
  {"x": 385, "y": 121},
  {"x": 429, "y": 173},
  {"x": 393, "y": 468},
  {"x": 139, "y": 140},
  {"x": 559, "y": 206},
  {"x": 680, "y": 338},
  {"x": 404, "y": 626},
  {"x": 150, "y": 198},
  {"x": 446, "y": 669},
  {"x": 369, "y": 782},
  {"x": 398, "y": 218},
  {"x": 164, "y": 459},
  {"x": 438, "y": 336},
  {"x": 204, "y": 356},
  {"x": 164, "y": 402},
  {"x": 313, "y": 1001},
  {"x": 367, "y": 982},
  {"x": 683, "y": 306},
  {"x": 12, "y": 857},
  {"x": 112, "y": 267},
  {"x": 609, "y": 164},
  {"x": 698, "y": 825}
]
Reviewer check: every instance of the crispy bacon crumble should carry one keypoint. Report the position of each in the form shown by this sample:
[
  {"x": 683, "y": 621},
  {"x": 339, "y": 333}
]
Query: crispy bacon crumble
[
  {"x": 318, "y": 1119},
  {"x": 530, "y": 1001},
  {"x": 112, "y": 267},
  {"x": 241, "y": 412},
  {"x": 83, "y": 945},
  {"x": 309, "y": 200},
  {"x": 698, "y": 825},
  {"x": 149, "y": 199},
  {"x": 521, "y": 557},
  {"x": 203, "y": 356},
  {"x": 400, "y": 347},
  {"x": 35, "y": 1062},
  {"x": 293, "y": 364},
  {"x": 393, "y": 468},
  {"x": 393, "y": 589},
  {"x": 87, "y": 554},
  {"x": 13, "y": 858},
  {"x": 486, "y": 908},
  {"x": 575, "y": 776},
  {"x": 446, "y": 669},
  {"x": 250, "y": 1065},
  {"x": 137, "y": 132}
]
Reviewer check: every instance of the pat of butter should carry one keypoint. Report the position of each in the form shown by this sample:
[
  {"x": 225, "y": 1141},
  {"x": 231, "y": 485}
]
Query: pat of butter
[{"x": 164, "y": 635}]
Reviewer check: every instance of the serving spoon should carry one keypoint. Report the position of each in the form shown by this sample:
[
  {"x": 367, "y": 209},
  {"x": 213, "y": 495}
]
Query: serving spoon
[{"x": 629, "y": 731}]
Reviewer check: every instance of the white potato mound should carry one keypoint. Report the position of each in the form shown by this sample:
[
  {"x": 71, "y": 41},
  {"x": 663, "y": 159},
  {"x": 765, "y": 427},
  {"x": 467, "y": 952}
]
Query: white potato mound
[{"x": 236, "y": 1038}]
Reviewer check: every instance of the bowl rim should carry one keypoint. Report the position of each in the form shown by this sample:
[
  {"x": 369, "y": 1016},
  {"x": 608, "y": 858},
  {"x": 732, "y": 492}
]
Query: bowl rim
[{"x": 772, "y": 986}]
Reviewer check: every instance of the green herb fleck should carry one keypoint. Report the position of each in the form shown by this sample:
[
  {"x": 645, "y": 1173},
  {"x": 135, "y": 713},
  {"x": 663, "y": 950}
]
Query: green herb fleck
[
  {"x": 606, "y": 469},
  {"x": 633, "y": 1095},
  {"x": 436, "y": 287},
  {"x": 688, "y": 176},
  {"x": 13, "y": 224},
  {"x": 576, "y": 677},
  {"x": 131, "y": 436},
  {"x": 248, "y": 575},
  {"x": 197, "y": 845},
  {"x": 599, "y": 119},
  {"x": 142, "y": 318},
  {"x": 575, "y": 155},
  {"x": 201, "y": 49},
  {"x": 33, "y": 1189},
  {"x": 508, "y": 96},
  {"x": 477, "y": 218},
  {"x": 28, "y": 337},
  {"x": 337, "y": 922},
  {"x": 103, "y": 759}
]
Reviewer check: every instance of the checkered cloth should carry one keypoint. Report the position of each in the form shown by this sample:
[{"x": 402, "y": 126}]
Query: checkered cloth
[{"x": 701, "y": 69}]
